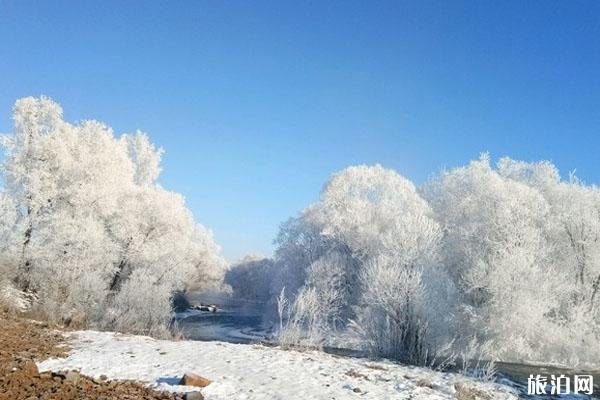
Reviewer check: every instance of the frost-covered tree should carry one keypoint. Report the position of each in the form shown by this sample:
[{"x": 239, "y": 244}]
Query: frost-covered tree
[
  {"x": 391, "y": 319},
  {"x": 574, "y": 225},
  {"x": 158, "y": 240},
  {"x": 96, "y": 235},
  {"x": 145, "y": 156},
  {"x": 8, "y": 250},
  {"x": 24, "y": 154},
  {"x": 9, "y": 296},
  {"x": 369, "y": 222},
  {"x": 328, "y": 277},
  {"x": 521, "y": 247},
  {"x": 496, "y": 252},
  {"x": 572, "y": 229},
  {"x": 250, "y": 278},
  {"x": 499, "y": 260}
]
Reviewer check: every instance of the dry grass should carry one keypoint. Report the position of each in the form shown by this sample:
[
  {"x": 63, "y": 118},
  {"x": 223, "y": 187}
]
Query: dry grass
[{"x": 464, "y": 392}]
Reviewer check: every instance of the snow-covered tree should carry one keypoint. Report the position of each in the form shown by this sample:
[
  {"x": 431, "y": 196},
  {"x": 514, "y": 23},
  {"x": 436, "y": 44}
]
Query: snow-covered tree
[
  {"x": 505, "y": 257},
  {"x": 495, "y": 250},
  {"x": 145, "y": 156},
  {"x": 572, "y": 230},
  {"x": 8, "y": 250},
  {"x": 9, "y": 295},
  {"x": 250, "y": 278},
  {"x": 521, "y": 247},
  {"x": 369, "y": 222},
  {"x": 92, "y": 221},
  {"x": 574, "y": 225}
]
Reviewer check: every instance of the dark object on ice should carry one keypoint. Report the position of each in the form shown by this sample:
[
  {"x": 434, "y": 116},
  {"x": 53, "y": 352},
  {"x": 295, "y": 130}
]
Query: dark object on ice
[{"x": 205, "y": 307}]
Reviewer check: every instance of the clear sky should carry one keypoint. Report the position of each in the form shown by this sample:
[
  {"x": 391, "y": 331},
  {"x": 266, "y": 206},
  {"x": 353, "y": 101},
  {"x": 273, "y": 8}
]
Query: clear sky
[{"x": 256, "y": 103}]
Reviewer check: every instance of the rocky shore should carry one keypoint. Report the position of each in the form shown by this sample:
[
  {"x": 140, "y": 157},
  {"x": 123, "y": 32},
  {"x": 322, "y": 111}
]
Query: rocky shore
[{"x": 24, "y": 341}]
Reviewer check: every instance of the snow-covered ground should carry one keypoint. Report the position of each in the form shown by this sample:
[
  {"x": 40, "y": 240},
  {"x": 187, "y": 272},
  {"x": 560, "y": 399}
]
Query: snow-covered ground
[{"x": 240, "y": 371}]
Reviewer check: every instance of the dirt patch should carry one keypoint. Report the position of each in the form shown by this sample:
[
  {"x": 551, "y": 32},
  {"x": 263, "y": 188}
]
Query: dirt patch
[
  {"x": 23, "y": 341},
  {"x": 26, "y": 339}
]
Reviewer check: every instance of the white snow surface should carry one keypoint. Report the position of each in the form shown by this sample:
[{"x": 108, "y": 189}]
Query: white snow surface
[{"x": 247, "y": 372}]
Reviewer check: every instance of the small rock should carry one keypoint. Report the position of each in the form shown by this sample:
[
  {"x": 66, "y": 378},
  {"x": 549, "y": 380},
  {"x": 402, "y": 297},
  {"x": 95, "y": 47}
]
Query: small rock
[
  {"x": 425, "y": 383},
  {"x": 103, "y": 377},
  {"x": 194, "y": 396},
  {"x": 30, "y": 368},
  {"x": 73, "y": 377},
  {"x": 357, "y": 390},
  {"x": 195, "y": 380}
]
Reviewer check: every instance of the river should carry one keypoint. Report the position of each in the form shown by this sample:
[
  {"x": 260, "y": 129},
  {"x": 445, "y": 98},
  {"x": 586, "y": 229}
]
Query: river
[{"x": 239, "y": 321}]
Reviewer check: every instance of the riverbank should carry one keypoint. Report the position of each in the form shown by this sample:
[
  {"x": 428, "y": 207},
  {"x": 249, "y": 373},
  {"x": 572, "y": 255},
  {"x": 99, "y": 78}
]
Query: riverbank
[
  {"x": 41, "y": 361},
  {"x": 25, "y": 342},
  {"x": 255, "y": 372}
]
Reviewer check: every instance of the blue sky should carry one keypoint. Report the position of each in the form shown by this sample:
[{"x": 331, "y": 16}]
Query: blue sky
[{"x": 256, "y": 103}]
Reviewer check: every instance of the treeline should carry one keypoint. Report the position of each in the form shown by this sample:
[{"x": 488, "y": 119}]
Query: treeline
[
  {"x": 87, "y": 234},
  {"x": 482, "y": 261}
]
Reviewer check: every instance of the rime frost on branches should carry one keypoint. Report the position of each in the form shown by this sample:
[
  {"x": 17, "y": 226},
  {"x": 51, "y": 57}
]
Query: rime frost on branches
[
  {"x": 493, "y": 239},
  {"x": 572, "y": 230},
  {"x": 521, "y": 248},
  {"x": 250, "y": 278},
  {"x": 360, "y": 253},
  {"x": 501, "y": 259},
  {"x": 94, "y": 234}
]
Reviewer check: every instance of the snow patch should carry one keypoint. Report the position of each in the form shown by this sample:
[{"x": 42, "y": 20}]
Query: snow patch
[{"x": 254, "y": 371}]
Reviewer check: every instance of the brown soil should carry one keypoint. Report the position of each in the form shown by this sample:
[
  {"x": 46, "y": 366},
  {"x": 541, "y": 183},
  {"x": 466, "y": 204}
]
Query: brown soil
[{"x": 23, "y": 341}]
